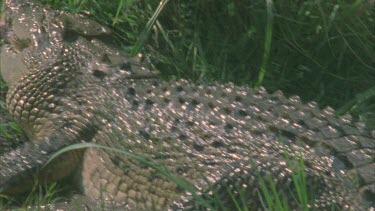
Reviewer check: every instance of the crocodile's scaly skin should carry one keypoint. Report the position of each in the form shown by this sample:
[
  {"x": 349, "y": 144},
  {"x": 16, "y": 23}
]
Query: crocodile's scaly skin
[{"x": 68, "y": 85}]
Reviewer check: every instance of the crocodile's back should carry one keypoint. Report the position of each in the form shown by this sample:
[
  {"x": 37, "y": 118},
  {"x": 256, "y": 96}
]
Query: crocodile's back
[{"x": 221, "y": 136}]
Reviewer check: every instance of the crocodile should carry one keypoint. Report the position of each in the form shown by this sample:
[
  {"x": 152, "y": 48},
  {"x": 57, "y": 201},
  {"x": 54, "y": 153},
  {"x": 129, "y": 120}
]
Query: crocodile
[{"x": 69, "y": 84}]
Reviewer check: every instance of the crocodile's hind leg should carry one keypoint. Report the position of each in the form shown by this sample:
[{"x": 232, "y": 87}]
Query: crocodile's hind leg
[
  {"x": 237, "y": 184},
  {"x": 125, "y": 181},
  {"x": 241, "y": 187}
]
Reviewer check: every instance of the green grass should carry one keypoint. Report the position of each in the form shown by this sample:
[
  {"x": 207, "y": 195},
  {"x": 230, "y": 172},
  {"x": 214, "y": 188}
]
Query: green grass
[
  {"x": 320, "y": 50},
  {"x": 40, "y": 195}
]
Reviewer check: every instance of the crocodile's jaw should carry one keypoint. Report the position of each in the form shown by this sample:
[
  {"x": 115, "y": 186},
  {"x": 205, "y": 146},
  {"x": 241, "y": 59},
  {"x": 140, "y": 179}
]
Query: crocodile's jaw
[
  {"x": 12, "y": 66},
  {"x": 30, "y": 46}
]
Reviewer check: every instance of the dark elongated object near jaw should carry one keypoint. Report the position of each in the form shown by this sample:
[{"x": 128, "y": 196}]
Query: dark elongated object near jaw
[{"x": 70, "y": 84}]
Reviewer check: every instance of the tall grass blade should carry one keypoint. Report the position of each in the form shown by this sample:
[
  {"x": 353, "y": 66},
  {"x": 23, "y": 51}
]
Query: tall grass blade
[
  {"x": 267, "y": 43},
  {"x": 145, "y": 33},
  {"x": 119, "y": 8},
  {"x": 358, "y": 100}
]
